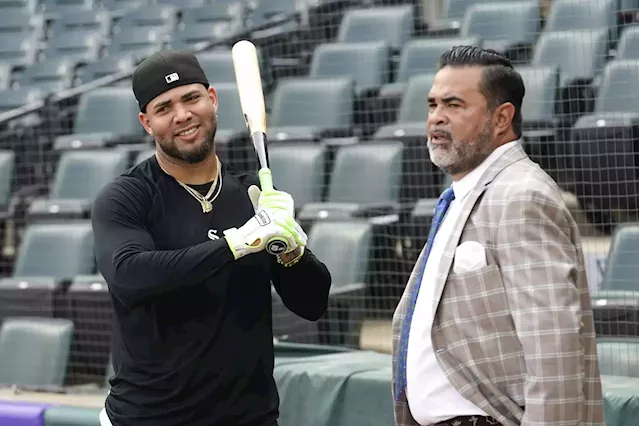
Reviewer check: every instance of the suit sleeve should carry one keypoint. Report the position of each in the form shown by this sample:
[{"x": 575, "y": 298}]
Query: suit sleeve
[
  {"x": 540, "y": 266},
  {"x": 127, "y": 257},
  {"x": 303, "y": 287}
]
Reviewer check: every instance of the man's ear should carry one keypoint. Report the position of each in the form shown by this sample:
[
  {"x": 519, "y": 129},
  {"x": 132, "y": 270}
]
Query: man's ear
[
  {"x": 503, "y": 118},
  {"x": 144, "y": 120},
  {"x": 213, "y": 95}
]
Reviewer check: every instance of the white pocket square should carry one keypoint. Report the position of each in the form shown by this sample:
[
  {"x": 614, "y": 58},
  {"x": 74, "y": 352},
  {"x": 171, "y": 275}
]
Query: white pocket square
[{"x": 469, "y": 256}]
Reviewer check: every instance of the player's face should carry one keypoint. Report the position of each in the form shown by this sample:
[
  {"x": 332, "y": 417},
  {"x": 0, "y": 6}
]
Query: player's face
[
  {"x": 183, "y": 122},
  {"x": 459, "y": 124}
]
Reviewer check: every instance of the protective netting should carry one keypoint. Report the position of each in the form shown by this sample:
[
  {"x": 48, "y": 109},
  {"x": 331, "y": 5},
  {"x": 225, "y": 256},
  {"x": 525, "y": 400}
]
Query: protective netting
[{"x": 345, "y": 83}]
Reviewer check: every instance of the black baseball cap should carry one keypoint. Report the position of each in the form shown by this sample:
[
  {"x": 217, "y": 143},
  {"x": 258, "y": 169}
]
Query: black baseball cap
[{"x": 163, "y": 71}]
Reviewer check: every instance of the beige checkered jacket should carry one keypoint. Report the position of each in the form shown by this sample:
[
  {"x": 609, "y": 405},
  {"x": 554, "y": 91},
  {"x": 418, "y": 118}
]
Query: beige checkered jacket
[{"x": 518, "y": 332}]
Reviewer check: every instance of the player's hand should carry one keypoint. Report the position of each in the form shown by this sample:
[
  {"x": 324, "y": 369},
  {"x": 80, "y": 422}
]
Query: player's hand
[
  {"x": 257, "y": 232},
  {"x": 280, "y": 206}
]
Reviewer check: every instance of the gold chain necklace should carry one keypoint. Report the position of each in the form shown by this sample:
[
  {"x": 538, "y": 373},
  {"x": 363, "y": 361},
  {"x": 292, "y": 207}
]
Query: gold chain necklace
[{"x": 205, "y": 202}]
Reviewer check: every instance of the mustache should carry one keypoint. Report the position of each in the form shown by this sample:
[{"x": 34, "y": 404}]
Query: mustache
[{"x": 441, "y": 133}]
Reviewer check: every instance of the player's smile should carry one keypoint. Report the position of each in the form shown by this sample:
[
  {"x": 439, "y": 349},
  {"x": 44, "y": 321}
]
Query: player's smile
[{"x": 190, "y": 134}]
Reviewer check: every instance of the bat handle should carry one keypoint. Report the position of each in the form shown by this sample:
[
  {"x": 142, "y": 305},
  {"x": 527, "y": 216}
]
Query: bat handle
[{"x": 266, "y": 180}]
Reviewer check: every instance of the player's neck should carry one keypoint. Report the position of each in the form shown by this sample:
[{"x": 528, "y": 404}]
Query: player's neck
[{"x": 191, "y": 174}]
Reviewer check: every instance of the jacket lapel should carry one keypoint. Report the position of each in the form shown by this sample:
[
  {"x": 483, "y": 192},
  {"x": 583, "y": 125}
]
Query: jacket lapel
[{"x": 510, "y": 156}]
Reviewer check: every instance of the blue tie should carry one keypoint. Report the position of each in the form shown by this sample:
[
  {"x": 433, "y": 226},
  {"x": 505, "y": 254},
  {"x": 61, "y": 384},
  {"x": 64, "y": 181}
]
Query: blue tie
[{"x": 401, "y": 377}]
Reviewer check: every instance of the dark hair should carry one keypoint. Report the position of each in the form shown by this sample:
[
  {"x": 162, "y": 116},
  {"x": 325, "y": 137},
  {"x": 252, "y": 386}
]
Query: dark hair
[{"x": 500, "y": 81}]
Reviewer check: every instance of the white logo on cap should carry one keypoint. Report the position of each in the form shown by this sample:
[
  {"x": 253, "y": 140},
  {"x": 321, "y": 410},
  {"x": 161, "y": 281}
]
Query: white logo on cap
[{"x": 171, "y": 77}]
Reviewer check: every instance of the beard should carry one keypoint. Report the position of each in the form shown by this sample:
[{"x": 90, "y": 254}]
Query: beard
[
  {"x": 198, "y": 153},
  {"x": 461, "y": 156}
]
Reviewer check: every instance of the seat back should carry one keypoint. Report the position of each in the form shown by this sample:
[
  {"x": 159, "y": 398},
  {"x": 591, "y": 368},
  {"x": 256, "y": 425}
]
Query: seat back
[
  {"x": 580, "y": 54},
  {"x": 621, "y": 271},
  {"x": 367, "y": 173},
  {"x": 57, "y": 250},
  {"x": 157, "y": 17},
  {"x": 540, "y": 84},
  {"x": 619, "y": 89},
  {"x": 581, "y": 15},
  {"x": 322, "y": 103},
  {"x": 392, "y": 25},
  {"x": 618, "y": 356},
  {"x": 230, "y": 115},
  {"x": 82, "y": 174},
  {"x": 108, "y": 109},
  {"x": 421, "y": 55},
  {"x": 628, "y": 43},
  {"x": 366, "y": 63},
  {"x": 298, "y": 168},
  {"x": 486, "y": 21},
  {"x": 34, "y": 351},
  {"x": 414, "y": 107},
  {"x": 344, "y": 248},
  {"x": 7, "y": 162},
  {"x": 217, "y": 66}
]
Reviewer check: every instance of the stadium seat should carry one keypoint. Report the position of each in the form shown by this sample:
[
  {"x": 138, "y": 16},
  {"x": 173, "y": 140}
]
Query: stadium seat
[
  {"x": 21, "y": 21},
  {"x": 392, "y": 25},
  {"x": 356, "y": 191},
  {"x": 366, "y": 63},
  {"x": 217, "y": 66},
  {"x": 16, "y": 98},
  {"x": 80, "y": 175},
  {"x": 628, "y": 44},
  {"x": 28, "y": 5},
  {"x": 52, "y": 9},
  {"x": 604, "y": 146},
  {"x": 55, "y": 250},
  {"x": 34, "y": 351},
  {"x": 411, "y": 120},
  {"x": 77, "y": 47},
  {"x": 223, "y": 17},
  {"x": 82, "y": 22},
  {"x": 151, "y": 17},
  {"x": 421, "y": 56},
  {"x": 138, "y": 42},
  {"x": 299, "y": 169},
  {"x": 5, "y": 77},
  {"x": 87, "y": 303},
  {"x": 580, "y": 54},
  {"x": 311, "y": 109},
  {"x": 49, "y": 76},
  {"x": 344, "y": 247},
  {"x": 567, "y": 15},
  {"x": 486, "y": 21},
  {"x": 618, "y": 356},
  {"x": 106, "y": 67},
  {"x": 119, "y": 8},
  {"x": 266, "y": 12},
  {"x": 541, "y": 85},
  {"x": 19, "y": 49},
  {"x": 7, "y": 162},
  {"x": 621, "y": 271},
  {"x": 106, "y": 116},
  {"x": 68, "y": 415}
]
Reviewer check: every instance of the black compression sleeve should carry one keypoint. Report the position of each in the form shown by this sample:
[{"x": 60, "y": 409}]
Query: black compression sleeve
[
  {"x": 127, "y": 257},
  {"x": 303, "y": 287}
]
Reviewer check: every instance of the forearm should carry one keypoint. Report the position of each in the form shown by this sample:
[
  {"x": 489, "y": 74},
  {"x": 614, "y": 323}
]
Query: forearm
[
  {"x": 304, "y": 286},
  {"x": 139, "y": 274}
]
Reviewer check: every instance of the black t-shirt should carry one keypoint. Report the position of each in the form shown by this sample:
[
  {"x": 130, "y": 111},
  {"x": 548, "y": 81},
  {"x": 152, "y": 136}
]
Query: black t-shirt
[{"x": 192, "y": 340}]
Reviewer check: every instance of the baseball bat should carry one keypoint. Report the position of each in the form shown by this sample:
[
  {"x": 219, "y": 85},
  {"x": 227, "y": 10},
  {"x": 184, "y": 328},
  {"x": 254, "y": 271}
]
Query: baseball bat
[{"x": 249, "y": 83}]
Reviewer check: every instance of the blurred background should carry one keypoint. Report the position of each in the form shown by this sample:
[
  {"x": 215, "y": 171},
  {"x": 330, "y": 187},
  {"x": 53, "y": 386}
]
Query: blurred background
[{"x": 345, "y": 83}]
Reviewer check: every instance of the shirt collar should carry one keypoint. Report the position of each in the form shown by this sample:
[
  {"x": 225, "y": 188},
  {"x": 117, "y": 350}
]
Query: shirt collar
[{"x": 462, "y": 187}]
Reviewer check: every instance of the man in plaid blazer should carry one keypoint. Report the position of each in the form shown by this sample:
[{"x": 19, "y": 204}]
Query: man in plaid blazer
[{"x": 495, "y": 324}]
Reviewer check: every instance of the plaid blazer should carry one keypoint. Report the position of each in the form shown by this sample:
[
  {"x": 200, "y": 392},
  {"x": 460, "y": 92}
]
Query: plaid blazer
[{"x": 518, "y": 332}]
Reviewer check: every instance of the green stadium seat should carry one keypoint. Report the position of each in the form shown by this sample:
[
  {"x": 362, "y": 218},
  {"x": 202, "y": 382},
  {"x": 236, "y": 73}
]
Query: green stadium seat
[
  {"x": 541, "y": 85},
  {"x": 71, "y": 416},
  {"x": 299, "y": 169},
  {"x": 105, "y": 116},
  {"x": 17, "y": 21},
  {"x": 33, "y": 351},
  {"x": 53, "y": 9},
  {"x": 217, "y": 66},
  {"x": 621, "y": 271},
  {"x": 580, "y": 54},
  {"x": 77, "y": 47},
  {"x": 56, "y": 250},
  {"x": 618, "y": 356},
  {"x": 344, "y": 247},
  {"x": 82, "y": 22},
  {"x": 311, "y": 109},
  {"x": 581, "y": 15},
  {"x": 7, "y": 165},
  {"x": 19, "y": 49},
  {"x": 366, "y": 63},
  {"x": 356, "y": 190},
  {"x": 106, "y": 67},
  {"x": 139, "y": 42},
  {"x": 628, "y": 43},
  {"x": 80, "y": 175},
  {"x": 49, "y": 76},
  {"x": 486, "y": 21},
  {"x": 151, "y": 17},
  {"x": 28, "y": 5},
  {"x": 421, "y": 56},
  {"x": 392, "y": 25}
]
